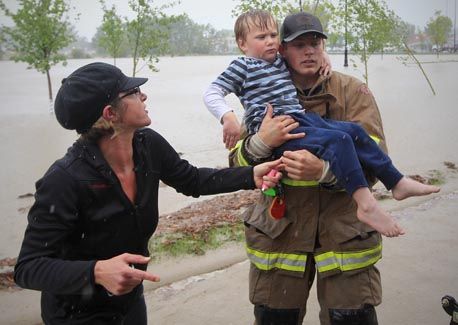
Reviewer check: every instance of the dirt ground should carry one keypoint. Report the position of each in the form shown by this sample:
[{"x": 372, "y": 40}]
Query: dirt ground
[{"x": 417, "y": 270}]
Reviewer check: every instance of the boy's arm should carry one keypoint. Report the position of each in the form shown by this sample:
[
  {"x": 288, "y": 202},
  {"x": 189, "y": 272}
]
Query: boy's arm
[
  {"x": 258, "y": 147},
  {"x": 215, "y": 102},
  {"x": 217, "y": 106}
]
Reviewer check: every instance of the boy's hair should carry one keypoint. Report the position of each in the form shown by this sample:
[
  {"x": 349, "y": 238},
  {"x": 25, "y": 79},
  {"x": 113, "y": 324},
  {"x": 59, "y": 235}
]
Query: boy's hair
[{"x": 257, "y": 17}]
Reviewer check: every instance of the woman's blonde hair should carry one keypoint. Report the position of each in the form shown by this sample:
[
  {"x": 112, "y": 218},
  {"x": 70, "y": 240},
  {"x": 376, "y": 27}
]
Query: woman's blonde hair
[{"x": 102, "y": 127}]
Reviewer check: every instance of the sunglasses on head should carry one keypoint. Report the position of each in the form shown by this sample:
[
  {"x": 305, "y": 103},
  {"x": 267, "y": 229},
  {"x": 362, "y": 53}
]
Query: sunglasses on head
[{"x": 135, "y": 90}]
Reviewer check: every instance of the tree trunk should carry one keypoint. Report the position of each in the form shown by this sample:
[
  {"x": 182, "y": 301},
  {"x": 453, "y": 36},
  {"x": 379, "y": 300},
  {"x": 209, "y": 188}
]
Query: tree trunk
[
  {"x": 49, "y": 85},
  {"x": 51, "y": 105},
  {"x": 409, "y": 52},
  {"x": 366, "y": 75}
]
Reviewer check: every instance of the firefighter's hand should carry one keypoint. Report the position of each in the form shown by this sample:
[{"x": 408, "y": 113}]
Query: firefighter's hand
[
  {"x": 302, "y": 165},
  {"x": 274, "y": 131},
  {"x": 261, "y": 171},
  {"x": 231, "y": 130},
  {"x": 118, "y": 276}
]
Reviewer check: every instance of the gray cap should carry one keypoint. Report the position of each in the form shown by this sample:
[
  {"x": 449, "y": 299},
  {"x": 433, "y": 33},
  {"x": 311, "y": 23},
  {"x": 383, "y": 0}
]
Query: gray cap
[{"x": 298, "y": 24}]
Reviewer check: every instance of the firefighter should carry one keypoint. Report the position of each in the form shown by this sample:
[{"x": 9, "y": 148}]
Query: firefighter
[{"x": 310, "y": 229}]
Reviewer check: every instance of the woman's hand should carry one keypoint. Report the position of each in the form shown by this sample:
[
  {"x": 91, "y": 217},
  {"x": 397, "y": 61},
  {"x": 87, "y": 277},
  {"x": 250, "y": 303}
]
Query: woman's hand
[
  {"x": 260, "y": 173},
  {"x": 118, "y": 276},
  {"x": 274, "y": 131},
  {"x": 302, "y": 165}
]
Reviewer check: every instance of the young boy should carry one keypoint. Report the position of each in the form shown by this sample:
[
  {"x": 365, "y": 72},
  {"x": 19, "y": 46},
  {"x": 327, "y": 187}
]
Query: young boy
[{"x": 262, "y": 78}]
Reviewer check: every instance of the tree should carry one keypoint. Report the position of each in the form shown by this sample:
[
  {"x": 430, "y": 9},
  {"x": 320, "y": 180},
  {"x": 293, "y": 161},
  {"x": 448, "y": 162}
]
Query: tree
[
  {"x": 280, "y": 8},
  {"x": 438, "y": 29},
  {"x": 188, "y": 37},
  {"x": 112, "y": 32},
  {"x": 148, "y": 32},
  {"x": 41, "y": 31},
  {"x": 371, "y": 27},
  {"x": 2, "y": 43}
]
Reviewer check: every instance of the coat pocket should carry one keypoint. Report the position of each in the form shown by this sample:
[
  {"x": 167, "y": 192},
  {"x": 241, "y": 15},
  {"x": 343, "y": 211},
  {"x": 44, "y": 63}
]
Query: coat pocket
[{"x": 259, "y": 217}]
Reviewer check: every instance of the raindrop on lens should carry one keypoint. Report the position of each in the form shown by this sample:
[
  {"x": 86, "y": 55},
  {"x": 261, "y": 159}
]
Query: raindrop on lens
[{"x": 52, "y": 208}]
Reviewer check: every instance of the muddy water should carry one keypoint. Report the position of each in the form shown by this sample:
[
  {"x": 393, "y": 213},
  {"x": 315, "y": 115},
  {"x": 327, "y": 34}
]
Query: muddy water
[{"x": 420, "y": 127}]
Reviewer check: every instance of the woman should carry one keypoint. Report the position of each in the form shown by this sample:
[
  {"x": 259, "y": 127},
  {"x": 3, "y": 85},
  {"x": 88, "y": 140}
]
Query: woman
[{"x": 85, "y": 246}]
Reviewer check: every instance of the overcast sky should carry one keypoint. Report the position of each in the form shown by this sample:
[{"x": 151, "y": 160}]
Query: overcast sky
[{"x": 218, "y": 12}]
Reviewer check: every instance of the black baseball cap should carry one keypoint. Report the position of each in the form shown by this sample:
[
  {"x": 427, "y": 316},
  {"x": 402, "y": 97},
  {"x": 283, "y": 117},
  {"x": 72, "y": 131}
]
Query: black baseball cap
[
  {"x": 83, "y": 94},
  {"x": 298, "y": 24}
]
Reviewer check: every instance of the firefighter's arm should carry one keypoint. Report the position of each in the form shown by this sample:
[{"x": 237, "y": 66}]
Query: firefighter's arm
[{"x": 257, "y": 148}]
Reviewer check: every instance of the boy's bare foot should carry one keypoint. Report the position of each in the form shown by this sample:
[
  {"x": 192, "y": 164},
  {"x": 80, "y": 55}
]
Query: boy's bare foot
[
  {"x": 408, "y": 187},
  {"x": 370, "y": 212},
  {"x": 380, "y": 220}
]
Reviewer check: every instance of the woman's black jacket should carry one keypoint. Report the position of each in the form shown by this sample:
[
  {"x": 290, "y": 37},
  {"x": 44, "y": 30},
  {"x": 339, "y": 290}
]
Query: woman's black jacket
[{"x": 82, "y": 215}]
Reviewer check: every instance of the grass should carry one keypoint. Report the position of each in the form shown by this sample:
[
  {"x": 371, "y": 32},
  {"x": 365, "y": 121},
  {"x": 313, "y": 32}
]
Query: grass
[
  {"x": 436, "y": 177},
  {"x": 179, "y": 244}
]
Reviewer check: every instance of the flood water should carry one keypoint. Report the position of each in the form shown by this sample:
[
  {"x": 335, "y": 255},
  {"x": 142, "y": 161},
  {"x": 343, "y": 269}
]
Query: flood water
[{"x": 421, "y": 128}]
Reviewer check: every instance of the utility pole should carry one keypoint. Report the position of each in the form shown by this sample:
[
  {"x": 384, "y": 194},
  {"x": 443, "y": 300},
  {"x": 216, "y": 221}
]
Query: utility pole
[{"x": 346, "y": 45}]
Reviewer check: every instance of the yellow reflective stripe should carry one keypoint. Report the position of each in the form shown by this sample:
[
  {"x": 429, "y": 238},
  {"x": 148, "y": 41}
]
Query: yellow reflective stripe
[
  {"x": 348, "y": 261},
  {"x": 292, "y": 182},
  {"x": 241, "y": 160},
  {"x": 268, "y": 261},
  {"x": 376, "y": 139},
  {"x": 237, "y": 146}
]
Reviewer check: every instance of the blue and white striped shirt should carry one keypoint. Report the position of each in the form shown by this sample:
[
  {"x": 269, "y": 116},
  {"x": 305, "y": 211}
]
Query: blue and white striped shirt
[{"x": 256, "y": 83}]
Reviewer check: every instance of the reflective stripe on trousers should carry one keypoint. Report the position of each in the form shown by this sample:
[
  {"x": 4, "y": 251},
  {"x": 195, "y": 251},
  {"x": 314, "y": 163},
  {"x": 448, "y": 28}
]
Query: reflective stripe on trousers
[
  {"x": 283, "y": 261},
  {"x": 347, "y": 261},
  {"x": 343, "y": 261}
]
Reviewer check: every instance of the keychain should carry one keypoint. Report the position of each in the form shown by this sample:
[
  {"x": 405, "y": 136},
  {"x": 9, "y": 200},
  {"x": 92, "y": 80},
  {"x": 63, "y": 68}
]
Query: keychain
[{"x": 277, "y": 207}]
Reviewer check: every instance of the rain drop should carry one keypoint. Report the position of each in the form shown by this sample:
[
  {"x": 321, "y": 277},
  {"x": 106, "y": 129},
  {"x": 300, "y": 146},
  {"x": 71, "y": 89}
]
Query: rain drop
[
  {"x": 82, "y": 235},
  {"x": 52, "y": 208}
]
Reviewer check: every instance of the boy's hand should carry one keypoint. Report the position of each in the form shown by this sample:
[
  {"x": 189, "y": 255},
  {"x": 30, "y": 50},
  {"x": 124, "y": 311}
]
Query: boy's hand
[
  {"x": 326, "y": 66},
  {"x": 274, "y": 131},
  {"x": 231, "y": 129}
]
